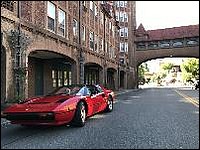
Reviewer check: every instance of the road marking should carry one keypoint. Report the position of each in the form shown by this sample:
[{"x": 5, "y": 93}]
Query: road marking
[{"x": 192, "y": 100}]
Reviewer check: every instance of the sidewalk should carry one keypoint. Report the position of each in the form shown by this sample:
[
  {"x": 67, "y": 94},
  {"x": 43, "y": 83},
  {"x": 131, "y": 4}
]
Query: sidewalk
[{"x": 5, "y": 122}]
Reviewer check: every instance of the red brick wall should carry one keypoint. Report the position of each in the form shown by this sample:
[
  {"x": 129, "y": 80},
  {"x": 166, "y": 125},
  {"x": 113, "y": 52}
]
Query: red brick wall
[{"x": 40, "y": 13}]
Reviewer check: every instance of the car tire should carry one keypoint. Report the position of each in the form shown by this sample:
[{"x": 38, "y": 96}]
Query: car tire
[
  {"x": 109, "y": 107},
  {"x": 80, "y": 115}
]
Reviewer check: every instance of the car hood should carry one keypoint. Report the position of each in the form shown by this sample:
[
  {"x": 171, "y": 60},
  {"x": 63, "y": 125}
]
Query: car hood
[
  {"x": 48, "y": 99},
  {"x": 39, "y": 104}
]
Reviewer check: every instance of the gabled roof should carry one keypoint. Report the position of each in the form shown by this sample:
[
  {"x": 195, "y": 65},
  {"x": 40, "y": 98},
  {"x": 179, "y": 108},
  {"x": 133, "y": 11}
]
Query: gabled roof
[{"x": 141, "y": 30}]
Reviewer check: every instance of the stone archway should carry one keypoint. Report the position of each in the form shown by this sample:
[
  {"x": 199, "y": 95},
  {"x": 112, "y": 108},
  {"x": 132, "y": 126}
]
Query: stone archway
[
  {"x": 112, "y": 78},
  {"x": 93, "y": 73},
  {"x": 49, "y": 70},
  {"x": 122, "y": 79}
]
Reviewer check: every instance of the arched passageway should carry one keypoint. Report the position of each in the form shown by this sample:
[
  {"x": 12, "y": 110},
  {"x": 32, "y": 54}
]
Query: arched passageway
[
  {"x": 49, "y": 70},
  {"x": 122, "y": 79},
  {"x": 93, "y": 73},
  {"x": 111, "y": 78}
]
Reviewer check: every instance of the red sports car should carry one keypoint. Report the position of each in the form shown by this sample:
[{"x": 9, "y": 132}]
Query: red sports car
[{"x": 66, "y": 105}]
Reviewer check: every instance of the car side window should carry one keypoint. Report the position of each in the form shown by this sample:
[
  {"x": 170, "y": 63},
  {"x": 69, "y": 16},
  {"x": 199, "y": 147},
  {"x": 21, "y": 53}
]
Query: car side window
[
  {"x": 92, "y": 90},
  {"x": 83, "y": 91},
  {"x": 99, "y": 89}
]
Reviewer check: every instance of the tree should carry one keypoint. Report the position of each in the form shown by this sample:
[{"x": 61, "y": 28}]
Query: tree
[
  {"x": 190, "y": 69},
  {"x": 167, "y": 66},
  {"x": 142, "y": 69}
]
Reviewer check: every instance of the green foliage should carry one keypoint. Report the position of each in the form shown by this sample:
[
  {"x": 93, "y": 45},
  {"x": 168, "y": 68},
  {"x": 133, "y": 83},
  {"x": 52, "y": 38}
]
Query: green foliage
[
  {"x": 167, "y": 66},
  {"x": 190, "y": 69},
  {"x": 142, "y": 69}
]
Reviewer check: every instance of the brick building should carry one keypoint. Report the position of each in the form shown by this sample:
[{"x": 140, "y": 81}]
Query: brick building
[{"x": 47, "y": 44}]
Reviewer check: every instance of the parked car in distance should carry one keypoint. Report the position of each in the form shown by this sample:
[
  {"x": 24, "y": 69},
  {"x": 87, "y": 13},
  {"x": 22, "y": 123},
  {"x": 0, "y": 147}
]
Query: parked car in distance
[{"x": 66, "y": 105}]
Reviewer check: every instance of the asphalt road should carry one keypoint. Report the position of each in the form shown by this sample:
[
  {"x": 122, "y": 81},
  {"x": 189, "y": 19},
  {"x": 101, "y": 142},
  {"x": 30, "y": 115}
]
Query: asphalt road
[{"x": 154, "y": 118}]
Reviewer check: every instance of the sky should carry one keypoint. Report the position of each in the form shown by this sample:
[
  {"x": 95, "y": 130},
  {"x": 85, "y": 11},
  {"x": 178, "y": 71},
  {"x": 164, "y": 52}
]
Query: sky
[{"x": 166, "y": 14}]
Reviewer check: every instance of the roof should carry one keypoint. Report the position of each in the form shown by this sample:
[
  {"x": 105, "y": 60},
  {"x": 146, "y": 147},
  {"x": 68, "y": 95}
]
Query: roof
[
  {"x": 172, "y": 33},
  {"x": 141, "y": 30}
]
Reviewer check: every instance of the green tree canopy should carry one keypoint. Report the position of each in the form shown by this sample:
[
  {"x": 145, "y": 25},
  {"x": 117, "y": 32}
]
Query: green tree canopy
[
  {"x": 142, "y": 69},
  {"x": 167, "y": 66},
  {"x": 190, "y": 69}
]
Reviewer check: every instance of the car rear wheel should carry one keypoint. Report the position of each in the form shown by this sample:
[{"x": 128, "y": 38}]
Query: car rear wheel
[
  {"x": 80, "y": 115},
  {"x": 109, "y": 107}
]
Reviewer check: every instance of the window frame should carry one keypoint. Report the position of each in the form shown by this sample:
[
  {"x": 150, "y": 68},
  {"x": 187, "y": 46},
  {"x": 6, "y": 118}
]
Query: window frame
[
  {"x": 91, "y": 40},
  {"x": 75, "y": 27},
  {"x": 49, "y": 4},
  {"x": 63, "y": 34}
]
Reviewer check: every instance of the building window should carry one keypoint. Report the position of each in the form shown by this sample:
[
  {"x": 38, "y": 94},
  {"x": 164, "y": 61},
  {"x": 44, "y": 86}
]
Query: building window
[
  {"x": 91, "y": 6},
  {"x": 95, "y": 10},
  {"x": 102, "y": 45},
  {"x": 61, "y": 22},
  {"x": 8, "y": 5},
  {"x": 126, "y": 32},
  {"x": 121, "y": 17},
  {"x": 67, "y": 77},
  {"x": 125, "y": 17},
  {"x": 112, "y": 52},
  {"x": 66, "y": 81},
  {"x": 54, "y": 78},
  {"x": 126, "y": 47},
  {"x": 117, "y": 3},
  {"x": 121, "y": 60},
  {"x": 84, "y": 3},
  {"x": 113, "y": 31},
  {"x": 125, "y": 3},
  {"x": 107, "y": 48},
  {"x": 75, "y": 27},
  {"x": 121, "y": 3},
  {"x": 117, "y": 16},
  {"x": 122, "y": 47},
  {"x": 70, "y": 77},
  {"x": 122, "y": 32},
  {"x": 92, "y": 40},
  {"x": 51, "y": 16},
  {"x": 61, "y": 77},
  {"x": 96, "y": 43},
  {"x": 83, "y": 33},
  {"x": 101, "y": 17},
  {"x": 110, "y": 25}
]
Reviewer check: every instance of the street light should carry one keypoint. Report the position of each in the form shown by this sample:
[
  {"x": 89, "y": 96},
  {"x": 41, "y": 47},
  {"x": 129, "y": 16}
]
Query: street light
[{"x": 81, "y": 56}]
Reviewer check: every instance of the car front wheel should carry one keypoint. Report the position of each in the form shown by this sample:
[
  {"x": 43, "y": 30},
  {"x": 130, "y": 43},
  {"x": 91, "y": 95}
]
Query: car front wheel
[
  {"x": 109, "y": 107},
  {"x": 80, "y": 115}
]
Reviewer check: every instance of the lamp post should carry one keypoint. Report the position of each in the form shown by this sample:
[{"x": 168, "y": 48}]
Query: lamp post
[
  {"x": 81, "y": 56},
  {"x": 18, "y": 51}
]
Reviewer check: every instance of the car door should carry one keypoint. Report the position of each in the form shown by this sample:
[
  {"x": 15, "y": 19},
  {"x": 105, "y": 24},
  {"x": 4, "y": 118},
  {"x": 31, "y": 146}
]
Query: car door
[
  {"x": 95, "y": 98},
  {"x": 102, "y": 99}
]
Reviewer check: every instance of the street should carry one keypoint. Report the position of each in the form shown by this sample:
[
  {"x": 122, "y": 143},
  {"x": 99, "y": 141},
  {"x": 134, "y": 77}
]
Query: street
[{"x": 150, "y": 118}]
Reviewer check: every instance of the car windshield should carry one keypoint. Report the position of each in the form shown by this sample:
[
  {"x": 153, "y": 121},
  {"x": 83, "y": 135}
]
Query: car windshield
[{"x": 68, "y": 90}]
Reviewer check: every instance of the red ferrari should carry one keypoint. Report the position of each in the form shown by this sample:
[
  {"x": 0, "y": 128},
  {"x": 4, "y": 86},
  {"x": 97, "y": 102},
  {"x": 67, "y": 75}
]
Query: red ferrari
[{"x": 66, "y": 105}]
